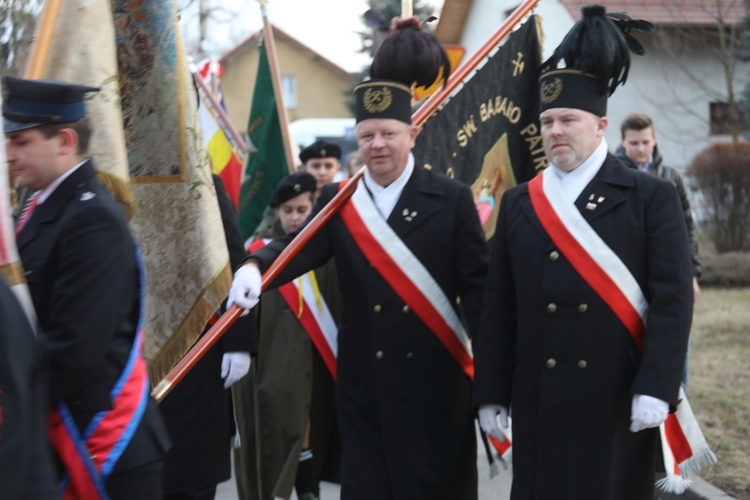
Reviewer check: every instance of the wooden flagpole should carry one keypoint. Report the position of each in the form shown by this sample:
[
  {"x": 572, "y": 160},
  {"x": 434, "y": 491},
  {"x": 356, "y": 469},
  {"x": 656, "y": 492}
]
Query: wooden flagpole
[
  {"x": 269, "y": 45},
  {"x": 45, "y": 28},
  {"x": 407, "y": 9},
  {"x": 461, "y": 74},
  {"x": 225, "y": 123}
]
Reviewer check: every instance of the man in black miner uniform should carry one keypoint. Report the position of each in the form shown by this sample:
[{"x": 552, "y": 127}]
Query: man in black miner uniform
[
  {"x": 586, "y": 383},
  {"x": 84, "y": 280},
  {"x": 403, "y": 391}
]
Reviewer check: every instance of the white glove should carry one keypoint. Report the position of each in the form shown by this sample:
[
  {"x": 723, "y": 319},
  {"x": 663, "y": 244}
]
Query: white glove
[
  {"x": 488, "y": 420},
  {"x": 245, "y": 288},
  {"x": 647, "y": 412},
  {"x": 234, "y": 366}
]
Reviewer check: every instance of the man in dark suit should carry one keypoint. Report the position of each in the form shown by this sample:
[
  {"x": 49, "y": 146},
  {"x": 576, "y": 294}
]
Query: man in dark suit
[
  {"x": 408, "y": 246},
  {"x": 82, "y": 271},
  {"x": 587, "y": 306},
  {"x": 26, "y": 470}
]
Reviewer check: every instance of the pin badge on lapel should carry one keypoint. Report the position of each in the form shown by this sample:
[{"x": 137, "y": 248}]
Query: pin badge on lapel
[{"x": 409, "y": 216}]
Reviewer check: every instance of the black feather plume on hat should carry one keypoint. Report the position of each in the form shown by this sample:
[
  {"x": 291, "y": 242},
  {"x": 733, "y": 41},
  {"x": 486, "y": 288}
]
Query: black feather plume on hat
[
  {"x": 600, "y": 44},
  {"x": 410, "y": 54}
]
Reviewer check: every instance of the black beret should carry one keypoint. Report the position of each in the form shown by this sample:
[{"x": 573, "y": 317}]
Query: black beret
[
  {"x": 31, "y": 103},
  {"x": 320, "y": 149},
  {"x": 293, "y": 185}
]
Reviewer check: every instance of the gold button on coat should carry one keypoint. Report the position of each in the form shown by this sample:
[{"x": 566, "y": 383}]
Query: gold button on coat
[
  {"x": 551, "y": 307},
  {"x": 551, "y": 363},
  {"x": 406, "y": 309},
  {"x": 583, "y": 308},
  {"x": 379, "y": 355},
  {"x": 554, "y": 255},
  {"x": 582, "y": 364},
  {"x": 377, "y": 308}
]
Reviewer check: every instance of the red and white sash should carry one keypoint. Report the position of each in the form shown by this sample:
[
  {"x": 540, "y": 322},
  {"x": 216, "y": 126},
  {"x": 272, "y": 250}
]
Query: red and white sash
[
  {"x": 304, "y": 299},
  {"x": 406, "y": 275},
  {"x": 684, "y": 447}
]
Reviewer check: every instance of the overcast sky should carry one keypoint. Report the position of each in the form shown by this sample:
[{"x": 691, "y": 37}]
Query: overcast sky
[{"x": 329, "y": 26}]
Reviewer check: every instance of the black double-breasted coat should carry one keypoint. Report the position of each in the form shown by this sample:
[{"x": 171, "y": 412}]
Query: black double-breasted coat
[
  {"x": 551, "y": 350},
  {"x": 403, "y": 401},
  {"x": 80, "y": 266}
]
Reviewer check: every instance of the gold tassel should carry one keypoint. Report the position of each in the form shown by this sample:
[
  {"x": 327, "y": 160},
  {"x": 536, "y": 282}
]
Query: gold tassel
[
  {"x": 120, "y": 190},
  {"x": 316, "y": 293}
]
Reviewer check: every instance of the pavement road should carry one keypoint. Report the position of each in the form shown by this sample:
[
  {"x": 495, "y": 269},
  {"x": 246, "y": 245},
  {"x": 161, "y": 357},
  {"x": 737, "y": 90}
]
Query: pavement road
[{"x": 496, "y": 489}]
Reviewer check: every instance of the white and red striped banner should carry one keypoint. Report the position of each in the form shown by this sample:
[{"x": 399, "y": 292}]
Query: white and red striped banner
[
  {"x": 684, "y": 447},
  {"x": 406, "y": 275},
  {"x": 306, "y": 302}
]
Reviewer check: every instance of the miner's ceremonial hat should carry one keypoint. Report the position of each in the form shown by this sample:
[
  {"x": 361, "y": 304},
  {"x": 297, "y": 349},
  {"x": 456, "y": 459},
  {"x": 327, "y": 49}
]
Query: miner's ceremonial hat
[{"x": 596, "y": 52}]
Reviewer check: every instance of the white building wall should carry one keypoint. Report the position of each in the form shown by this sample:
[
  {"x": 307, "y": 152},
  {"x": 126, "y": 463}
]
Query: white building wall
[{"x": 677, "y": 101}]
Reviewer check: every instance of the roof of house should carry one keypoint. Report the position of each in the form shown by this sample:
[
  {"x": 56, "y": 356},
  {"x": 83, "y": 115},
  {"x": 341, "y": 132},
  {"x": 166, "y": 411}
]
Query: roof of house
[
  {"x": 676, "y": 13},
  {"x": 682, "y": 13},
  {"x": 280, "y": 34}
]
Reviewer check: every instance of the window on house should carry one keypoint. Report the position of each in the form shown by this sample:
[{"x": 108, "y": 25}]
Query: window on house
[
  {"x": 289, "y": 91},
  {"x": 721, "y": 122}
]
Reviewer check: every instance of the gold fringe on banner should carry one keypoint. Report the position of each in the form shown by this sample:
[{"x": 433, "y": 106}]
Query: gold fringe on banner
[{"x": 192, "y": 327}]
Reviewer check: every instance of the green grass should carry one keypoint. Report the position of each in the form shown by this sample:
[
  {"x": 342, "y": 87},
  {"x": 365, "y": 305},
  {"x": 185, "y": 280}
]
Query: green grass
[{"x": 719, "y": 384}]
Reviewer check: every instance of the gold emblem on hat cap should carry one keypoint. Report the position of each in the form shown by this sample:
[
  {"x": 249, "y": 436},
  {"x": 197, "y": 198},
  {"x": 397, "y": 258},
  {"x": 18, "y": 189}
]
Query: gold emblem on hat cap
[
  {"x": 377, "y": 100},
  {"x": 551, "y": 91}
]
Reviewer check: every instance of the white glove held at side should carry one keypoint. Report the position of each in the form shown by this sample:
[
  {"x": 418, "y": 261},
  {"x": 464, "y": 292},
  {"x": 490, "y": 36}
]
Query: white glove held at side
[
  {"x": 245, "y": 289},
  {"x": 234, "y": 366},
  {"x": 647, "y": 412},
  {"x": 488, "y": 420}
]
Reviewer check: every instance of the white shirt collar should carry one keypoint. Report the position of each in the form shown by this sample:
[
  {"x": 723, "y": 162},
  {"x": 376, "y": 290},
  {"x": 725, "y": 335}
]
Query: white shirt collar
[
  {"x": 575, "y": 181},
  {"x": 47, "y": 192},
  {"x": 386, "y": 197}
]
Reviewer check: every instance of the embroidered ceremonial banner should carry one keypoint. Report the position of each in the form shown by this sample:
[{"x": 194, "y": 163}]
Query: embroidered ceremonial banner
[
  {"x": 487, "y": 134},
  {"x": 684, "y": 448},
  {"x": 132, "y": 50},
  {"x": 312, "y": 313},
  {"x": 406, "y": 275}
]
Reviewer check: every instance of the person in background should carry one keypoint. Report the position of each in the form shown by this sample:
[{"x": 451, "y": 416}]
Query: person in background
[
  {"x": 26, "y": 469},
  {"x": 85, "y": 279},
  {"x": 286, "y": 408},
  {"x": 323, "y": 160},
  {"x": 353, "y": 163},
  {"x": 639, "y": 150}
]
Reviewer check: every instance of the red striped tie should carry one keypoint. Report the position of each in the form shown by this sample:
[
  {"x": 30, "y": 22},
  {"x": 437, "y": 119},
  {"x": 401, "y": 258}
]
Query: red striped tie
[{"x": 27, "y": 211}]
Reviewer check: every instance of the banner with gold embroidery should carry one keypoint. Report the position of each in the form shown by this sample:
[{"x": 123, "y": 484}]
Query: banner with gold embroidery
[
  {"x": 487, "y": 134},
  {"x": 146, "y": 130}
]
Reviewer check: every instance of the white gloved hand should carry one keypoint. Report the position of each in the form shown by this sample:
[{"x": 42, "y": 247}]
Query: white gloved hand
[
  {"x": 245, "y": 289},
  {"x": 234, "y": 366},
  {"x": 488, "y": 420},
  {"x": 647, "y": 412}
]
